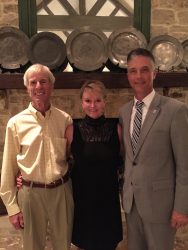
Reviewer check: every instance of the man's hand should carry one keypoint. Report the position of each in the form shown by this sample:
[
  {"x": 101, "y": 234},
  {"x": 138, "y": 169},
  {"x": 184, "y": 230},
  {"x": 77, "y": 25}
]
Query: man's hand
[
  {"x": 17, "y": 220},
  {"x": 178, "y": 220}
]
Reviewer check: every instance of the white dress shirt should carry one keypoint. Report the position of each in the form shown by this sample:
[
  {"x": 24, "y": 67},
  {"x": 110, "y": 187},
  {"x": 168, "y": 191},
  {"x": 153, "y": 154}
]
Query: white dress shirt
[{"x": 147, "y": 101}]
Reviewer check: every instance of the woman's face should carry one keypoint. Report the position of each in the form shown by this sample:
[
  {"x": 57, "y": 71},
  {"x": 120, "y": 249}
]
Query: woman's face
[{"x": 93, "y": 103}]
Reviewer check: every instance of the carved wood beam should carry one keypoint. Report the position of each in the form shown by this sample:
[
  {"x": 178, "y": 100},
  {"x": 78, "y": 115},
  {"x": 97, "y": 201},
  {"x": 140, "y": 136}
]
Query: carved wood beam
[
  {"x": 71, "y": 80},
  {"x": 124, "y": 6},
  {"x": 114, "y": 12},
  {"x": 82, "y": 7},
  {"x": 68, "y": 7},
  {"x": 71, "y": 22},
  {"x": 43, "y": 4},
  {"x": 96, "y": 7}
]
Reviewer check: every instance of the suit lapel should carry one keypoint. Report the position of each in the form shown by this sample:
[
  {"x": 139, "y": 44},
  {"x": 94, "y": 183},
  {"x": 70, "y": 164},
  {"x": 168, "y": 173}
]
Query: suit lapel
[{"x": 151, "y": 116}]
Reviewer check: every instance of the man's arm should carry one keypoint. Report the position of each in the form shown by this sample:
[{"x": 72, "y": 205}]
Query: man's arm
[
  {"x": 179, "y": 135},
  {"x": 8, "y": 189}
]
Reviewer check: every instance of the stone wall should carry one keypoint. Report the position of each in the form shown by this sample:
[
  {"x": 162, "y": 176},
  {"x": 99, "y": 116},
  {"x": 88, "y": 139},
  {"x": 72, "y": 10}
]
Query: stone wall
[
  {"x": 173, "y": 21},
  {"x": 170, "y": 17},
  {"x": 9, "y": 12}
]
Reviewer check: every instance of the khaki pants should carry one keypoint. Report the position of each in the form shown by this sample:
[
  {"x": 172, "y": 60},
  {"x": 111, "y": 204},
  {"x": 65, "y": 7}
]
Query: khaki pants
[{"x": 41, "y": 206}]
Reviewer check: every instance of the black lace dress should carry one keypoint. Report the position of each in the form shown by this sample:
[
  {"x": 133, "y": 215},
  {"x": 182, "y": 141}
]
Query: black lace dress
[{"x": 97, "y": 218}]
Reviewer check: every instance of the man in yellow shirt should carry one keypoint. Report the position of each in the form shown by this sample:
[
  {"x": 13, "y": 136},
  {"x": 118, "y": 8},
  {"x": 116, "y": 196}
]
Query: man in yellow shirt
[{"x": 35, "y": 145}]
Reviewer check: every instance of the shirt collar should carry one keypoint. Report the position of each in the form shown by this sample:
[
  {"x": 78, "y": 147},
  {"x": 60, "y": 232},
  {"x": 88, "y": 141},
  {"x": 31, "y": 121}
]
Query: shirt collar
[
  {"x": 147, "y": 100},
  {"x": 37, "y": 114}
]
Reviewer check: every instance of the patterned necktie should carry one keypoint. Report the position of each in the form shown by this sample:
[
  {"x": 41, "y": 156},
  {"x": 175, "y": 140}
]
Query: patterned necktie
[{"x": 137, "y": 124}]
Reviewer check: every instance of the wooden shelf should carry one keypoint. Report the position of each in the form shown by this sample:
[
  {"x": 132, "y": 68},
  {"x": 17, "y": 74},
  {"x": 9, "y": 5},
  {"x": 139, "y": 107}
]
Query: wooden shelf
[{"x": 74, "y": 80}]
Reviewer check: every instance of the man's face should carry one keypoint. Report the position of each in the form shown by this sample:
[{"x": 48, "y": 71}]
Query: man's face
[
  {"x": 141, "y": 73},
  {"x": 39, "y": 89}
]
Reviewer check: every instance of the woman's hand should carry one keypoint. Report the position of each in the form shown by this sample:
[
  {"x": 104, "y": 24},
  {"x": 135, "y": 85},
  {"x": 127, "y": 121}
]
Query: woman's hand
[
  {"x": 178, "y": 220},
  {"x": 19, "y": 181}
]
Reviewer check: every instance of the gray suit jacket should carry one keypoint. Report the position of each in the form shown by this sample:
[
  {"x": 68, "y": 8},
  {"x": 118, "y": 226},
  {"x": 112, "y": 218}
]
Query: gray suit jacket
[{"x": 157, "y": 176}]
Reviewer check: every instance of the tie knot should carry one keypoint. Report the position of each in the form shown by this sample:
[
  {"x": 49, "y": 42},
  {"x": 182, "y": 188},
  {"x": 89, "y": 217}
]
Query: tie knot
[{"x": 139, "y": 104}]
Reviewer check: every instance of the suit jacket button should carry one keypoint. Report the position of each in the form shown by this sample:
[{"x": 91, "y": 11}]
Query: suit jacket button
[{"x": 134, "y": 163}]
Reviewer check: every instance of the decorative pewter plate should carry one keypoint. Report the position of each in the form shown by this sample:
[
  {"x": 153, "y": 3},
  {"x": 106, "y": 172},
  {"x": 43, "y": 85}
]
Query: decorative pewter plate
[
  {"x": 121, "y": 42},
  {"x": 167, "y": 50},
  {"x": 87, "y": 49},
  {"x": 48, "y": 49},
  {"x": 185, "y": 54},
  {"x": 14, "y": 46}
]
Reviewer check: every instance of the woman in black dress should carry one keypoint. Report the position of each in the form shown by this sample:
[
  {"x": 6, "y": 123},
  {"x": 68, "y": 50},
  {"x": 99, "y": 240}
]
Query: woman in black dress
[{"x": 94, "y": 143}]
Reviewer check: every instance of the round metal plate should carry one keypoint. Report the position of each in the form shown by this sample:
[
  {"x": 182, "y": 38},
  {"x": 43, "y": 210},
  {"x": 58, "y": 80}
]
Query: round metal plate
[
  {"x": 14, "y": 47},
  {"x": 121, "y": 42},
  {"x": 48, "y": 49},
  {"x": 87, "y": 49},
  {"x": 167, "y": 50}
]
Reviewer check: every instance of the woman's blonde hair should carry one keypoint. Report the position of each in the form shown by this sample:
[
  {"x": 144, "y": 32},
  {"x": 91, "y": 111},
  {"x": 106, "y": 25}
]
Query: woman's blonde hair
[
  {"x": 94, "y": 85},
  {"x": 38, "y": 68}
]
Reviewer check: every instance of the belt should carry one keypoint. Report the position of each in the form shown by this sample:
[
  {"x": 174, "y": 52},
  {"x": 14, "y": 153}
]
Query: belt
[{"x": 53, "y": 184}]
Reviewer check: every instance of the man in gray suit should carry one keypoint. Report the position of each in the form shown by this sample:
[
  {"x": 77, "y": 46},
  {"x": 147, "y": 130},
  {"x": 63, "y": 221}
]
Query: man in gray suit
[{"x": 155, "y": 192}]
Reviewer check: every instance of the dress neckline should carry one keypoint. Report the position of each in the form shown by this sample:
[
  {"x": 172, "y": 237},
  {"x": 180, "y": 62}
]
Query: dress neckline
[{"x": 94, "y": 122}]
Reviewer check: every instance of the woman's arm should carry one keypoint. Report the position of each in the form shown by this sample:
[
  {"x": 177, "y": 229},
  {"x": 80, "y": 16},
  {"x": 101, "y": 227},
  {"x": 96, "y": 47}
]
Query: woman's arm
[
  {"x": 121, "y": 167},
  {"x": 119, "y": 130},
  {"x": 69, "y": 137}
]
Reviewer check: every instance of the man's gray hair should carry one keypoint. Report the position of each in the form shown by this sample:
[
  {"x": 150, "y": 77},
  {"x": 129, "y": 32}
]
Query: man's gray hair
[{"x": 38, "y": 68}]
